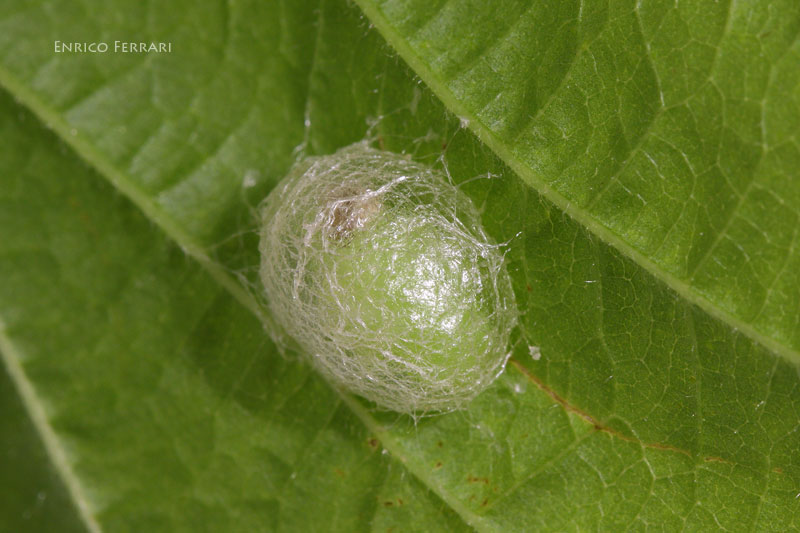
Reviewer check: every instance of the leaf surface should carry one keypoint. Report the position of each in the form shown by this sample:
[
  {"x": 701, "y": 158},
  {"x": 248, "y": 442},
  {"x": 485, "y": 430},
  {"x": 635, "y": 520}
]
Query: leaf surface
[
  {"x": 133, "y": 320},
  {"x": 668, "y": 129}
]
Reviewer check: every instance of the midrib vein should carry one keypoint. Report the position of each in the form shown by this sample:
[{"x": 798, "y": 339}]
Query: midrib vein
[
  {"x": 11, "y": 360},
  {"x": 486, "y": 136}
]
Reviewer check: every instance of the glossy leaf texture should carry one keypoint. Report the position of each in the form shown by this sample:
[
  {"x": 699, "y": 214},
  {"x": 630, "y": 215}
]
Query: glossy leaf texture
[
  {"x": 635, "y": 398},
  {"x": 668, "y": 128}
]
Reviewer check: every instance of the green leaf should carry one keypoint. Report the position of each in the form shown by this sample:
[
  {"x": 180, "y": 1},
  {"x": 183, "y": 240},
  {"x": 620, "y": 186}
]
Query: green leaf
[
  {"x": 669, "y": 130},
  {"x": 34, "y": 499},
  {"x": 158, "y": 397},
  {"x": 130, "y": 324}
]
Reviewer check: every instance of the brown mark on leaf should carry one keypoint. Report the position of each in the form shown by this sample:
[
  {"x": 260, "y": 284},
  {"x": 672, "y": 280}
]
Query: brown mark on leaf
[
  {"x": 339, "y": 472},
  {"x": 84, "y": 217},
  {"x": 485, "y": 502},
  {"x": 373, "y": 443},
  {"x": 388, "y": 503},
  {"x": 601, "y": 427},
  {"x": 528, "y": 286},
  {"x": 439, "y": 444},
  {"x": 474, "y": 479},
  {"x": 438, "y": 464}
]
